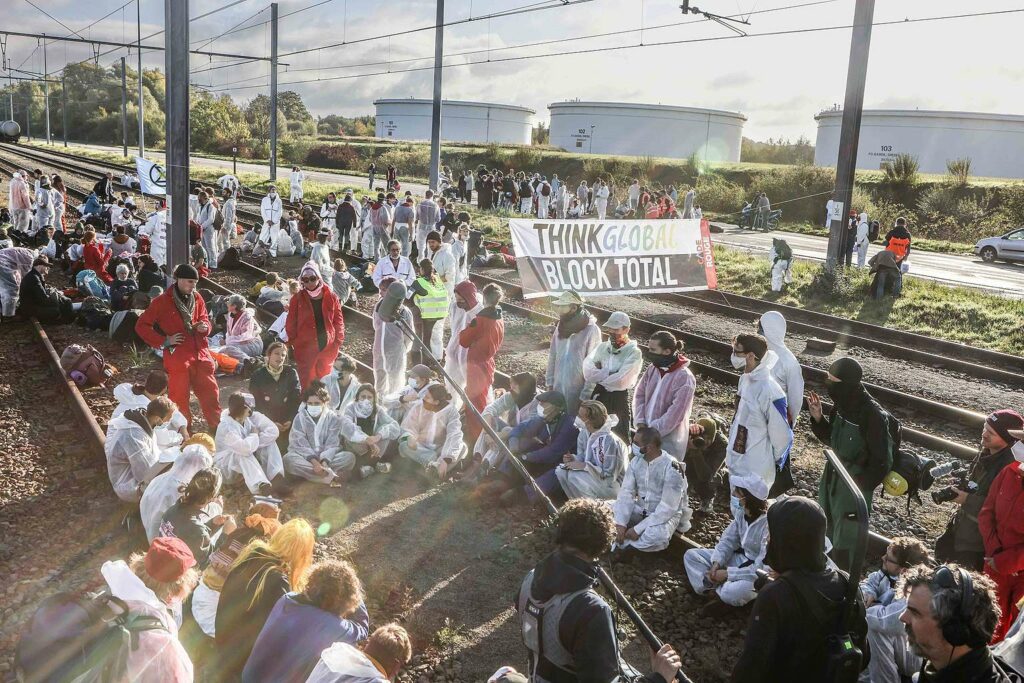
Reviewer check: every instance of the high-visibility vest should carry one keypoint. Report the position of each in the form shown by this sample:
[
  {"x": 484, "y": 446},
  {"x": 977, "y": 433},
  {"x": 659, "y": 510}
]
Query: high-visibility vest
[
  {"x": 899, "y": 246},
  {"x": 434, "y": 305}
]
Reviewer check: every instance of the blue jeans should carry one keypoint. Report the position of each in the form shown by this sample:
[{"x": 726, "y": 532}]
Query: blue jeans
[{"x": 883, "y": 280}]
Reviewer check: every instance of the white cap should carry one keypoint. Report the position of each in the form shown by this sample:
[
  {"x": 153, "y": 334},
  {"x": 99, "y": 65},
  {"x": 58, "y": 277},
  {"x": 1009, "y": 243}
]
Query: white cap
[
  {"x": 569, "y": 298},
  {"x": 616, "y": 320}
]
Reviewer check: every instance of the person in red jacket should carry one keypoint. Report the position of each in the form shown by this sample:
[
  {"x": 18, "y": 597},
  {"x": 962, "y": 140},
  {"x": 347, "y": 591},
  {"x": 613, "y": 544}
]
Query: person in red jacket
[
  {"x": 176, "y": 321},
  {"x": 1001, "y": 522},
  {"x": 95, "y": 256},
  {"x": 482, "y": 338},
  {"x": 315, "y": 326}
]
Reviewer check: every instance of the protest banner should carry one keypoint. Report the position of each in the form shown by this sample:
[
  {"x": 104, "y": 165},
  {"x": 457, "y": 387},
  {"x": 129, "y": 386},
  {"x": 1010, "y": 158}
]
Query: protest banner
[{"x": 607, "y": 258}]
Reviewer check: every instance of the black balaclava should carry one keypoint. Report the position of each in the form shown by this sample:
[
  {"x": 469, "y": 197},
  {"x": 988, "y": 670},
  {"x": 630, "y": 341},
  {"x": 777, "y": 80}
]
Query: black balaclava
[
  {"x": 796, "y": 535},
  {"x": 848, "y": 393}
]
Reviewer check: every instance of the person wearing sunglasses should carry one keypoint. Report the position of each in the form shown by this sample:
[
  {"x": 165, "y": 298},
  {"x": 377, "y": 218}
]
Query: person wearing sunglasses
[{"x": 315, "y": 325}]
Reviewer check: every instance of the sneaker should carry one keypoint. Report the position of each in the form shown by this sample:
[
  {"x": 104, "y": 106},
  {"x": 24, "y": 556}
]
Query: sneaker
[
  {"x": 707, "y": 506},
  {"x": 266, "y": 489},
  {"x": 365, "y": 471},
  {"x": 383, "y": 467}
]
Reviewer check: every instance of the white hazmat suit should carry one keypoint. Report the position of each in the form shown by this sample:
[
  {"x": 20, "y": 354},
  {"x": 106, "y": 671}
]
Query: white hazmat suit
[
  {"x": 653, "y": 502},
  {"x": 316, "y": 438},
  {"x": 248, "y": 448},
  {"x": 604, "y": 456}
]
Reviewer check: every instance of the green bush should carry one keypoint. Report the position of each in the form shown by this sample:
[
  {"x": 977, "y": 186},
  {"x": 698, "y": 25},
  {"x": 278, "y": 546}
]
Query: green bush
[
  {"x": 900, "y": 176},
  {"x": 959, "y": 171},
  {"x": 525, "y": 159},
  {"x": 953, "y": 213},
  {"x": 800, "y": 191},
  {"x": 328, "y": 155},
  {"x": 294, "y": 150},
  {"x": 715, "y": 194},
  {"x": 410, "y": 160}
]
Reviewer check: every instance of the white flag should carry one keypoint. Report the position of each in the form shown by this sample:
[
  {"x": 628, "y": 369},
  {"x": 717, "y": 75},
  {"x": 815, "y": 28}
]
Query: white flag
[{"x": 152, "y": 177}]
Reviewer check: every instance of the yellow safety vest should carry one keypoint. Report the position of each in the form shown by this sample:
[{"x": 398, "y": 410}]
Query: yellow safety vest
[{"x": 434, "y": 305}]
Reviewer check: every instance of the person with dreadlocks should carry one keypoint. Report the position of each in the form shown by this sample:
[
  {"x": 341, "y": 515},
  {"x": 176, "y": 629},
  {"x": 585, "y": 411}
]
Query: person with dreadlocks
[
  {"x": 176, "y": 325},
  {"x": 857, "y": 430}
]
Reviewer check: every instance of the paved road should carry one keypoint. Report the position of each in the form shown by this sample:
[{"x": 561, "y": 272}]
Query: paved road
[
  {"x": 341, "y": 179},
  {"x": 971, "y": 271}
]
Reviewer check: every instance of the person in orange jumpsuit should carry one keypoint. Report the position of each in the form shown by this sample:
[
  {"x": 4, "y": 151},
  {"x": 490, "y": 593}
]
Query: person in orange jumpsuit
[
  {"x": 177, "y": 322},
  {"x": 482, "y": 339},
  {"x": 315, "y": 326}
]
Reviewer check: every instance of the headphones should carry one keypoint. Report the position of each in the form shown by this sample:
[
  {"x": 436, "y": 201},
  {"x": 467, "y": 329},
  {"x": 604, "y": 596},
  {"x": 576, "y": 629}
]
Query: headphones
[{"x": 957, "y": 631}]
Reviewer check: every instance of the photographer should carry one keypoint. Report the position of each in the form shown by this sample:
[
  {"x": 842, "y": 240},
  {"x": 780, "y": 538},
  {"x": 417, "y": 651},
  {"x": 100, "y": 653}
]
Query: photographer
[
  {"x": 792, "y": 615},
  {"x": 962, "y": 542},
  {"x": 950, "y": 616}
]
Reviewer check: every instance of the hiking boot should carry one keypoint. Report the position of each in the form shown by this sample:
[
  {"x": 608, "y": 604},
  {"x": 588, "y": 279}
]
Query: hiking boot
[
  {"x": 715, "y": 608},
  {"x": 266, "y": 489}
]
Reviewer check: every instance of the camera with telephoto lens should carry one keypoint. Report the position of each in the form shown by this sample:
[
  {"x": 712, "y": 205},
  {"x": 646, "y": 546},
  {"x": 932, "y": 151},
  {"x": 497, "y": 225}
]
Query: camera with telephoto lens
[{"x": 960, "y": 474}]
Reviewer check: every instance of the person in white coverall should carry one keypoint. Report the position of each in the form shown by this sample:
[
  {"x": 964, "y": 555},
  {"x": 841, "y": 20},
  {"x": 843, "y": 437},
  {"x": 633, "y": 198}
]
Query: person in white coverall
[
  {"x": 131, "y": 448},
  {"x": 390, "y": 347},
  {"x": 385, "y": 653},
  {"x": 601, "y": 194},
  {"x": 229, "y": 211},
  {"x": 15, "y": 263},
  {"x": 366, "y": 428},
  {"x": 295, "y": 181},
  {"x": 342, "y": 384},
  {"x": 131, "y": 396},
  {"x": 612, "y": 370},
  {"x": 432, "y": 434},
  {"x": 467, "y": 306},
  {"x": 20, "y": 202},
  {"x": 730, "y": 569},
  {"x": 314, "y": 442},
  {"x": 505, "y": 412},
  {"x": 760, "y": 437},
  {"x": 205, "y": 215},
  {"x": 597, "y": 467},
  {"x": 163, "y": 492},
  {"x": 247, "y": 445},
  {"x": 786, "y": 371},
  {"x": 861, "y": 242},
  {"x": 575, "y": 337},
  {"x": 271, "y": 209},
  {"x": 653, "y": 503}
]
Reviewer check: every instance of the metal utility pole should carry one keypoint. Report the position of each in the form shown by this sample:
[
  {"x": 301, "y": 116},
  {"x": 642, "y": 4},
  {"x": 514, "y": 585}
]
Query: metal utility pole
[
  {"x": 10, "y": 85},
  {"x": 853, "y": 107},
  {"x": 142, "y": 118},
  {"x": 46, "y": 92},
  {"x": 435, "y": 114},
  {"x": 273, "y": 91},
  {"x": 64, "y": 107},
  {"x": 177, "y": 145},
  {"x": 124, "y": 108}
]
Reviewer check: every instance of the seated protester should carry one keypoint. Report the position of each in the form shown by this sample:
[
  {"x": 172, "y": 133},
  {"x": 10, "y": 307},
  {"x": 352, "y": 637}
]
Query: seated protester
[
  {"x": 122, "y": 288},
  {"x": 432, "y": 434},
  {"x": 314, "y": 442},
  {"x": 379, "y": 661},
  {"x": 95, "y": 257},
  {"x": 597, "y": 467},
  {"x": 540, "y": 442},
  {"x": 285, "y": 244},
  {"x": 129, "y": 396},
  {"x": 275, "y": 290},
  {"x": 705, "y": 455},
  {"x": 149, "y": 274},
  {"x": 399, "y": 404},
  {"x": 509, "y": 408},
  {"x": 302, "y": 625},
  {"x": 36, "y": 299},
  {"x": 131, "y": 447},
  {"x": 153, "y": 585},
  {"x": 190, "y": 517},
  {"x": 276, "y": 388},
  {"x": 342, "y": 384},
  {"x": 259, "y": 523},
  {"x": 246, "y": 445},
  {"x": 576, "y": 624},
  {"x": 730, "y": 570},
  {"x": 165, "y": 489},
  {"x": 892, "y": 658},
  {"x": 122, "y": 244},
  {"x": 367, "y": 429},
  {"x": 344, "y": 284},
  {"x": 250, "y": 239},
  {"x": 92, "y": 206},
  {"x": 50, "y": 247},
  {"x": 242, "y": 338},
  {"x": 950, "y": 617},
  {"x": 5, "y": 241},
  {"x": 263, "y": 573},
  {"x": 652, "y": 503},
  {"x": 784, "y": 641}
]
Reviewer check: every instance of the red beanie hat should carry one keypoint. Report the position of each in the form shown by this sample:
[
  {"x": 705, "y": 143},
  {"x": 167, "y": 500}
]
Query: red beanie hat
[
  {"x": 1002, "y": 421},
  {"x": 168, "y": 559}
]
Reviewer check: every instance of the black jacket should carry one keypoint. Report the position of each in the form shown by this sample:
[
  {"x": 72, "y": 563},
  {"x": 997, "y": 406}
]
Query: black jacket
[
  {"x": 783, "y": 642},
  {"x": 346, "y": 215},
  {"x": 37, "y": 299},
  {"x": 976, "y": 666},
  {"x": 967, "y": 536},
  {"x": 278, "y": 400}
]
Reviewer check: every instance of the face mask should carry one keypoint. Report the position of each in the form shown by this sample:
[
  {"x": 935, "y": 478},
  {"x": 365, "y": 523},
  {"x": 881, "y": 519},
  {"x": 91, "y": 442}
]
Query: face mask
[
  {"x": 739, "y": 362},
  {"x": 580, "y": 424},
  {"x": 540, "y": 411},
  {"x": 637, "y": 453},
  {"x": 364, "y": 407},
  {"x": 1018, "y": 451},
  {"x": 314, "y": 411},
  {"x": 831, "y": 388},
  {"x": 736, "y": 507},
  {"x": 659, "y": 360},
  {"x": 414, "y": 383}
]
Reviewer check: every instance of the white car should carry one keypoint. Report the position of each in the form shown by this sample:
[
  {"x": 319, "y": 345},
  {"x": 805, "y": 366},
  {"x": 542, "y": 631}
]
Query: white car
[{"x": 1008, "y": 247}]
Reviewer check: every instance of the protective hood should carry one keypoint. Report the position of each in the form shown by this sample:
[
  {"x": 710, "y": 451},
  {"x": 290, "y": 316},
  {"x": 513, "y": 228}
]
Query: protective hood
[
  {"x": 773, "y": 326},
  {"x": 124, "y": 584},
  {"x": 342, "y": 663},
  {"x": 796, "y": 535},
  {"x": 134, "y": 419},
  {"x": 764, "y": 368}
]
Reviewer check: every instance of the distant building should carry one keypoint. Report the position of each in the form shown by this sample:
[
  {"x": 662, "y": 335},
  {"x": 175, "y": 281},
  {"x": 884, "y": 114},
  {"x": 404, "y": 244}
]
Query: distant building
[
  {"x": 656, "y": 130},
  {"x": 993, "y": 142},
  {"x": 409, "y": 119}
]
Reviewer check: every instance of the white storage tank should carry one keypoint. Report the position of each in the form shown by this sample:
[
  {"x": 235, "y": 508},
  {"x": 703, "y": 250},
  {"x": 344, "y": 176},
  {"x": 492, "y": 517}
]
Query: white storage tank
[
  {"x": 993, "y": 142},
  {"x": 655, "y": 130},
  {"x": 409, "y": 119}
]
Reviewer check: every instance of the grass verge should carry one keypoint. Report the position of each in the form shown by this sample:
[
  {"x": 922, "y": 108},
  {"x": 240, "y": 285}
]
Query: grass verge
[
  {"x": 920, "y": 243},
  {"x": 955, "y": 313}
]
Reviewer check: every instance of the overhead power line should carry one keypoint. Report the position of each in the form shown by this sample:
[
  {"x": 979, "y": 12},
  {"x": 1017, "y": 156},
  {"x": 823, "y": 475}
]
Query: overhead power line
[{"x": 783, "y": 32}]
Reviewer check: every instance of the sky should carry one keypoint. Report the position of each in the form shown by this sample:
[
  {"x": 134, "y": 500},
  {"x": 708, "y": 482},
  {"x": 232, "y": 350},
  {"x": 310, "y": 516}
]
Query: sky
[{"x": 778, "y": 81}]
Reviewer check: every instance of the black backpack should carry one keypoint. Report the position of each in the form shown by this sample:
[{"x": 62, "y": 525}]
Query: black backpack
[
  {"x": 845, "y": 657},
  {"x": 231, "y": 259},
  {"x": 218, "y": 219},
  {"x": 85, "y": 638},
  {"x": 873, "y": 231}
]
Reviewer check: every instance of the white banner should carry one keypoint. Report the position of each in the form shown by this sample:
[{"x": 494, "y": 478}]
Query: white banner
[
  {"x": 152, "y": 177},
  {"x": 607, "y": 258}
]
